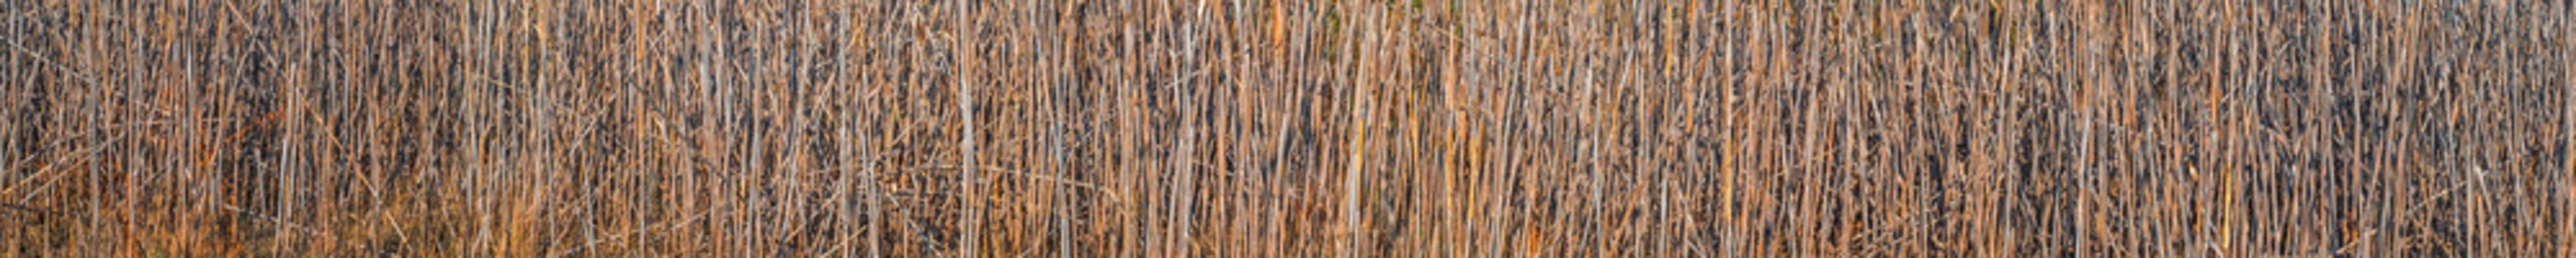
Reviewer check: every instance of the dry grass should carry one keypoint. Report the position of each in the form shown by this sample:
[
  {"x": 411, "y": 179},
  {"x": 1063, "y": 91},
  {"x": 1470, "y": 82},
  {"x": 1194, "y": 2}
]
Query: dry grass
[{"x": 1287, "y": 128}]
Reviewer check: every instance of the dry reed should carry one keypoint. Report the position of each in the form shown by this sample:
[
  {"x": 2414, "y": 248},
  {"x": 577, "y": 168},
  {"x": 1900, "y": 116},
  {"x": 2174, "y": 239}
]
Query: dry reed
[{"x": 1287, "y": 128}]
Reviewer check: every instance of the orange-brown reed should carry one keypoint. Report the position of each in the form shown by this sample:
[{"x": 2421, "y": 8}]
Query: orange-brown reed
[{"x": 1286, "y": 128}]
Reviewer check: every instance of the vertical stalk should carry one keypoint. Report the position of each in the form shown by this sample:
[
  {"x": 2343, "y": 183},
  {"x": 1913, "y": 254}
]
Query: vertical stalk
[
  {"x": 969, "y": 174},
  {"x": 1351, "y": 216}
]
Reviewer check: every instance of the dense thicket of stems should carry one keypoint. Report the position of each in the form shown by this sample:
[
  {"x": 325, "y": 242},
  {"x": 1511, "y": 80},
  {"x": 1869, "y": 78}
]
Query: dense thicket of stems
[{"x": 1287, "y": 128}]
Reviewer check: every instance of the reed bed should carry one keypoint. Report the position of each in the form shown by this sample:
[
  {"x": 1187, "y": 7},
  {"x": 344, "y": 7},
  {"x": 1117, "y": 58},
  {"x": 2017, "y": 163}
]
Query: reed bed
[{"x": 1287, "y": 128}]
